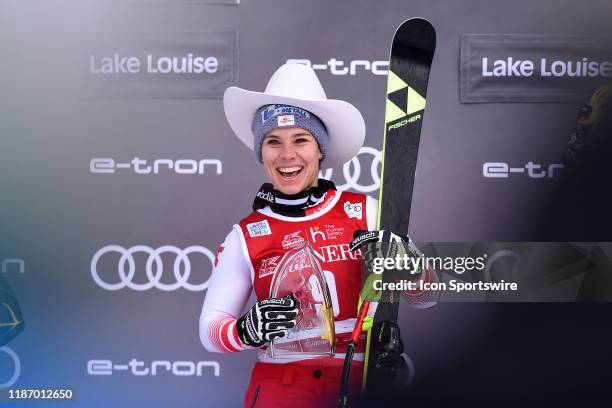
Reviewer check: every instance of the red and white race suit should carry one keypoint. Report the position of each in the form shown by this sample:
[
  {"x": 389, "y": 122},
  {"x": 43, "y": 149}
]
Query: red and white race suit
[{"x": 246, "y": 261}]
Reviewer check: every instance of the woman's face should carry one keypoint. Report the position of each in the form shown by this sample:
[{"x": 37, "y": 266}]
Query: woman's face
[{"x": 291, "y": 159}]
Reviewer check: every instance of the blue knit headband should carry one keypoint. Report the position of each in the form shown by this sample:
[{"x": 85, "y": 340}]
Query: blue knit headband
[{"x": 272, "y": 117}]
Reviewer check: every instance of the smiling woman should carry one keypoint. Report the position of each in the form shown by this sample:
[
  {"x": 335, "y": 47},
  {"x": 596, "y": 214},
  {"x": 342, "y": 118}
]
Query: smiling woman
[
  {"x": 291, "y": 158},
  {"x": 292, "y": 128}
]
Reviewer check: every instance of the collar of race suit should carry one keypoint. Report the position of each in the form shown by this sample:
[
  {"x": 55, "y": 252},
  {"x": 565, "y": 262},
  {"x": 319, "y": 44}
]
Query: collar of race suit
[{"x": 294, "y": 205}]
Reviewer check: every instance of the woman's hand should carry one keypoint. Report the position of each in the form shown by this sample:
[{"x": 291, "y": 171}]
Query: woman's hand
[
  {"x": 362, "y": 237},
  {"x": 382, "y": 244},
  {"x": 267, "y": 320}
]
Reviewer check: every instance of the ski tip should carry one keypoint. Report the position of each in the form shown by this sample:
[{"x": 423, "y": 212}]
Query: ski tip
[
  {"x": 419, "y": 20},
  {"x": 418, "y": 32},
  {"x": 417, "y": 23}
]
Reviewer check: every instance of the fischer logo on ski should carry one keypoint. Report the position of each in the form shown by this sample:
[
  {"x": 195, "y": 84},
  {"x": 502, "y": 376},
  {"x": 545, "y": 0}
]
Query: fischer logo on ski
[{"x": 402, "y": 101}]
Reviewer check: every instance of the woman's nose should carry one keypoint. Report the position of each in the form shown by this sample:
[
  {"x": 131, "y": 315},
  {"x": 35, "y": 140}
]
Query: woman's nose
[{"x": 288, "y": 151}]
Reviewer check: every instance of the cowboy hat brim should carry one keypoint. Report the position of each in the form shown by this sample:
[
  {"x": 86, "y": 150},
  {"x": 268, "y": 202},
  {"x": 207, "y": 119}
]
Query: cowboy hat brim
[{"x": 344, "y": 123}]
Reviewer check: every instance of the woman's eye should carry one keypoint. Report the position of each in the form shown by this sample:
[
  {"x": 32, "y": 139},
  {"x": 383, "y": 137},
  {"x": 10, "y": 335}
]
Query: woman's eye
[
  {"x": 301, "y": 140},
  {"x": 272, "y": 142}
]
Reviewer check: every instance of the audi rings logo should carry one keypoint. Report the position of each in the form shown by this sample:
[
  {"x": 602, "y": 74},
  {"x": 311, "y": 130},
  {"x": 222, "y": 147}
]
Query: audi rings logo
[
  {"x": 154, "y": 267},
  {"x": 16, "y": 371},
  {"x": 351, "y": 170}
]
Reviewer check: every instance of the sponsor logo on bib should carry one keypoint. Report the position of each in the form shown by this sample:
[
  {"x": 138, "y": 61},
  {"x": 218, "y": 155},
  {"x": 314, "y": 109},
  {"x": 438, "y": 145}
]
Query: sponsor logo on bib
[
  {"x": 257, "y": 229},
  {"x": 268, "y": 266},
  {"x": 292, "y": 240},
  {"x": 353, "y": 210}
]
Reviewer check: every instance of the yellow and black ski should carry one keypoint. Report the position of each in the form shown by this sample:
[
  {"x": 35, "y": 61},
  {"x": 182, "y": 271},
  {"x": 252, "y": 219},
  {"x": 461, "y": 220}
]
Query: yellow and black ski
[{"x": 409, "y": 65}]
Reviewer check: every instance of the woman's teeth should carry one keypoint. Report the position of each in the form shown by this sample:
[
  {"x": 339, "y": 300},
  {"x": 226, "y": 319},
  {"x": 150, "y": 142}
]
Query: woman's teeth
[{"x": 289, "y": 172}]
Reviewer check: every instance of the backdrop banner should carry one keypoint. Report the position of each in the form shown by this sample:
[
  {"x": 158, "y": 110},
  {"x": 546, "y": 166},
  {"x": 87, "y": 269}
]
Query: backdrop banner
[
  {"x": 180, "y": 65},
  {"x": 531, "y": 67}
]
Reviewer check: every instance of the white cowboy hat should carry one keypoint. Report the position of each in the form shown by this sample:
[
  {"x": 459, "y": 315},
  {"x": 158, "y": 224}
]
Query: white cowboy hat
[{"x": 298, "y": 85}]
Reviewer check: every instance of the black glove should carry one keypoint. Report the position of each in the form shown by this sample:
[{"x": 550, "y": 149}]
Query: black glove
[
  {"x": 267, "y": 320},
  {"x": 386, "y": 244},
  {"x": 362, "y": 237},
  {"x": 381, "y": 244}
]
